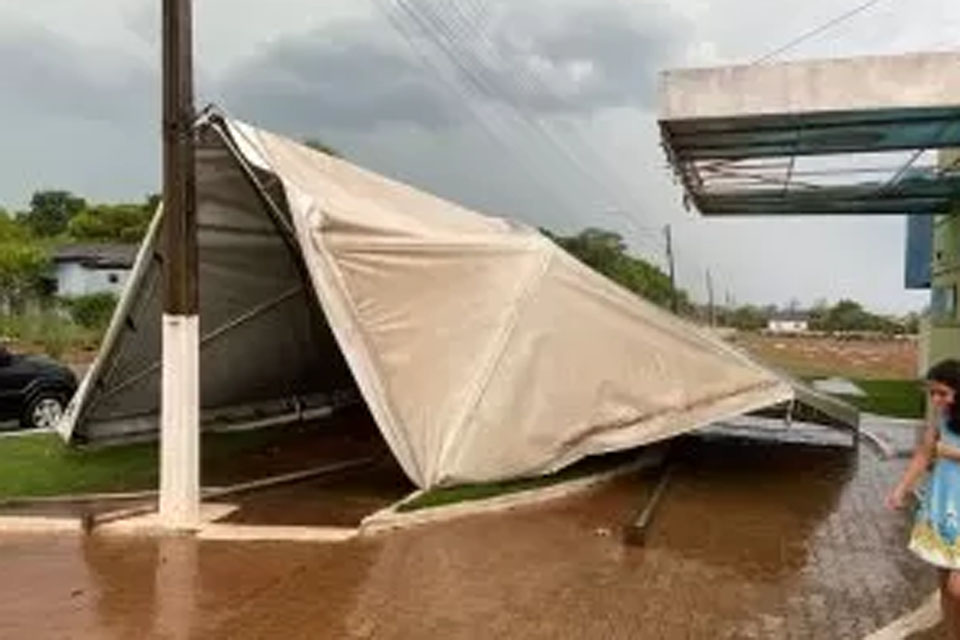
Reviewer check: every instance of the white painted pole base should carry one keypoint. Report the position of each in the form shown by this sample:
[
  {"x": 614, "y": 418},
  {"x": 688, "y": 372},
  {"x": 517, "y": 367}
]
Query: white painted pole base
[{"x": 180, "y": 424}]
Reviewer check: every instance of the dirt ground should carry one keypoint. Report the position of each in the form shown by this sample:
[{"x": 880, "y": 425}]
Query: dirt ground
[
  {"x": 751, "y": 541},
  {"x": 348, "y": 434},
  {"x": 73, "y": 355},
  {"x": 341, "y": 499},
  {"x": 821, "y": 356}
]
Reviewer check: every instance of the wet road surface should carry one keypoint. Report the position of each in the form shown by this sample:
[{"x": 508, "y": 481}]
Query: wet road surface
[
  {"x": 341, "y": 499},
  {"x": 750, "y": 541}
]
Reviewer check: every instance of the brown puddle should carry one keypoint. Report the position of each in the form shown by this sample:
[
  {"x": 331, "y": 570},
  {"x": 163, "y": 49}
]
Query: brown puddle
[
  {"x": 348, "y": 434},
  {"x": 750, "y": 541},
  {"x": 341, "y": 499}
]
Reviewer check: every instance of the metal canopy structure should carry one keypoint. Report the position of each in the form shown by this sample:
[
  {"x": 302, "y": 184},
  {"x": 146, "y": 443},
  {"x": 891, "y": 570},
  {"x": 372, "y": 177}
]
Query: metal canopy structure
[{"x": 846, "y": 136}]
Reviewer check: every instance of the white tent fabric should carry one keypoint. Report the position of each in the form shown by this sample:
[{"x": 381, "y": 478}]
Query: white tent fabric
[{"x": 483, "y": 351}]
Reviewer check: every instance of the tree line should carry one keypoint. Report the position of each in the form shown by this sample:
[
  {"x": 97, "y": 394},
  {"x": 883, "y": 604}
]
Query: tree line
[
  {"x": 55, "y": 217},
  {"x": 845, "y": 316},
  {"x": 61, "y": 215},
  {"x": 606, "y": 252}
]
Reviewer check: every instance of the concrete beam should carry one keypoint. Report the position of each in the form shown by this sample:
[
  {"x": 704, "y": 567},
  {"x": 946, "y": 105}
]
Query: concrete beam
[{"x": 920, "y": 80}]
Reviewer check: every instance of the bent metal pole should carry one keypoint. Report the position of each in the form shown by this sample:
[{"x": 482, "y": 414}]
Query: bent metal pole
[{"x": 180, "y": 397}]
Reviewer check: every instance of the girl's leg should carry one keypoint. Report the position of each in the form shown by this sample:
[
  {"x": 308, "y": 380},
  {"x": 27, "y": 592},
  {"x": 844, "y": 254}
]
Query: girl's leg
[
  {"x": 946, "y": 605},
  {"x": 950, "y": 600}
]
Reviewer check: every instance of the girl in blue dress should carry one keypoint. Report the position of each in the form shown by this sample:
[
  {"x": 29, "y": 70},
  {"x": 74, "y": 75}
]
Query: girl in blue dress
[{"x": 936, "y": 532}]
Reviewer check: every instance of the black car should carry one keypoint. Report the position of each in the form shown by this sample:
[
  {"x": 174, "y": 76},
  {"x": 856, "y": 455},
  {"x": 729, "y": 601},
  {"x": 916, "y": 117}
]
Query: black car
[{"x": 34, "y": 390}]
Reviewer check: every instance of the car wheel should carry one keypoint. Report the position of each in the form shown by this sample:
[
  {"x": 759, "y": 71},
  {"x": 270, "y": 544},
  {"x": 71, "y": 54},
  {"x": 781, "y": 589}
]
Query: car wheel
[{"x": 43, "y": 411}]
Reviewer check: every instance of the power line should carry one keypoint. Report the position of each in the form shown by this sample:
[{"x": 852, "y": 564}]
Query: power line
[
  {"x": 817, "y": 30},
  {"x": 668, "y": 236},
  {"x": 533, "y": 83},
  {"x": 450, "y": 43},
  {"x": 713, "y": 315},
  {"x": 529, "y": 80},
  {"x": 450, "y": 33},
  {"x": 477, "y": 69},
  {"x": 384, "y": 6},
  {"x": 860, "y": 8}
]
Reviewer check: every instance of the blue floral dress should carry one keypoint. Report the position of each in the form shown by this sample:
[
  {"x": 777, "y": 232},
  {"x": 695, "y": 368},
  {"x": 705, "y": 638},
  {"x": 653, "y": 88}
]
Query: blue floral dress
[{"x": 936, "y": 531}]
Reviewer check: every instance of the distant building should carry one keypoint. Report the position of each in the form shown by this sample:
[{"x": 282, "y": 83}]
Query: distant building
[
  {"x": 790, "y": 322},
  {"x": 84, "y": 269}
]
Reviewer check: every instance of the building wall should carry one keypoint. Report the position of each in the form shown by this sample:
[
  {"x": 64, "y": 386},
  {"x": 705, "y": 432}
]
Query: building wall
[
  {"x": 943, "y": 332},
  {"x": 787, "y": 326},
  {"x": 77, "y": 280}
]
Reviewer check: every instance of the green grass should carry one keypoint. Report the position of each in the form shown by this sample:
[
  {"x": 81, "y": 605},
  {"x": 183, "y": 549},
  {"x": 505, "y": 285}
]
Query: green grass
[
  {"x": 472, "y": 492},
  {"x": 41, "y": 465},
  {"x": 36, "y": 465},
  {"x": 894, "y": 398},
  {"x": 48, "y": 331}
]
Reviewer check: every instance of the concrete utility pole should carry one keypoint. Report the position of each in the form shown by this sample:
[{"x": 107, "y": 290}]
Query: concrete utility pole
[
  {"x": 674, "y": 304},
  {"x": 180, "y": 396},
  {"x": 713, "y": 315}
]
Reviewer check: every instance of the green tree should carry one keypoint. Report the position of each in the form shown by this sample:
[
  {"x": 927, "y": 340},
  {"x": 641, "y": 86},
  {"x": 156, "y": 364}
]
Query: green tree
[
  {"x": 911, "y": 323},
  {"x": 745, "y": 318},
  {"x": 92, "y": 311},
  {"x": 606, "y": 252},
  {"x": 11, "y": 228},
  {"x": 849, "y": 315},
  {"x": 111, "y": 223},
  {"x": 153, "y": 201},
  {"x": 23, "y": 264},
  {"x": 51, "y": 211}
]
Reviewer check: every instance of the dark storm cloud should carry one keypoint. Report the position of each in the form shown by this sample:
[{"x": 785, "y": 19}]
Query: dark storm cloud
[
  {"x": 589, "y": 58},
  {"x": 44, "y": 73},
  {"x": 337, "y": 76},
  {"x": 360, "y": 75}
]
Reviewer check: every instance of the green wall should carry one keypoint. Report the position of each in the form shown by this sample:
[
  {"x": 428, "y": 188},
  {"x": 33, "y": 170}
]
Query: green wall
[{"x": 943, "y": 327}]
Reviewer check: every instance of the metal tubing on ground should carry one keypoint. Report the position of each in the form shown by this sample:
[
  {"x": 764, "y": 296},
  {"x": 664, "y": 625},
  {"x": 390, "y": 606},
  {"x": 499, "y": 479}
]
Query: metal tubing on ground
[
  {"x": 92, "y": 521},
  {"x": 635, "y": 533}
]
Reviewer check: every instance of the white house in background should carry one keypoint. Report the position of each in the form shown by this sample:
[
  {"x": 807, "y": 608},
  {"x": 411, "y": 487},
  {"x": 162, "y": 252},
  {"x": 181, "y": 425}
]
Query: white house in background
[
  {"x": 83, "y": 269},
  {"x": 788, "y": 322}
]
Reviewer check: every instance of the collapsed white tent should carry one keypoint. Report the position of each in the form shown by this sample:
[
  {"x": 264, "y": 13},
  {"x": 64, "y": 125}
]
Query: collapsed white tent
[{"x": 482, "y": 350}]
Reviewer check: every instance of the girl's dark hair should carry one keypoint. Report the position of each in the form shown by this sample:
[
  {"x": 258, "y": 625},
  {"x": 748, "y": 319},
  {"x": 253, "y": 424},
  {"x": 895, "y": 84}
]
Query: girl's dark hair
[{"x": 947, "y": 372}]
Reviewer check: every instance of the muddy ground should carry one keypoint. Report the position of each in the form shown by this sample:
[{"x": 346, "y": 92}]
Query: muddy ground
[
  {"x": 809, "y": 356},
  {"x": 752, "y": 540}
]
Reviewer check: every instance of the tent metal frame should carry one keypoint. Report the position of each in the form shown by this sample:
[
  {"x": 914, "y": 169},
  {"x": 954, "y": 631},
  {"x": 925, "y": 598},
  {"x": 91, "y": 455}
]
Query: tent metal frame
[
  {"x": 212, "y": 119},
  {"x": 787, "y": 163}
]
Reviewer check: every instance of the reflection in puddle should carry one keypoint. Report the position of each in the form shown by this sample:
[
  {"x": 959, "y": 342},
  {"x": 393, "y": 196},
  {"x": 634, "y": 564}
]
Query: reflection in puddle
[{"x": 176, "y": 587}]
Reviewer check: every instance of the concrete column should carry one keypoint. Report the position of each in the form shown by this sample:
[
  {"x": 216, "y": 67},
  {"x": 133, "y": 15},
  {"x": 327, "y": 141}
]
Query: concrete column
[{"x": 179, "y": 423}]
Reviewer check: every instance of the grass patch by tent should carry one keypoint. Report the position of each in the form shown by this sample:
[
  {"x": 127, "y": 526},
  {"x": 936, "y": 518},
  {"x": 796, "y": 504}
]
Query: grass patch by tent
[
  {"x": 41, "y": 465},
  {"x": 37, "y": 465},
  {"x": 894, "y": 398},
  {"x": 471, "y": 492}
]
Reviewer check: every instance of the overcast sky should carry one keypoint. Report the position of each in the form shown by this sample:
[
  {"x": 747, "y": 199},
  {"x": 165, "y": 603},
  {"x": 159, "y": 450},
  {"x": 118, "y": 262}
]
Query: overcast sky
[{"x": 79, "y": 106}]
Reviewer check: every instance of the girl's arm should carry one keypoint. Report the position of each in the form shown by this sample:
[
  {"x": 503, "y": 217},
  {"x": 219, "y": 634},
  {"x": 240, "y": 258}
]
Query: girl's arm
[
  {"x": 922, "y": 456},
  {"x": 944, "y": 450}
]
